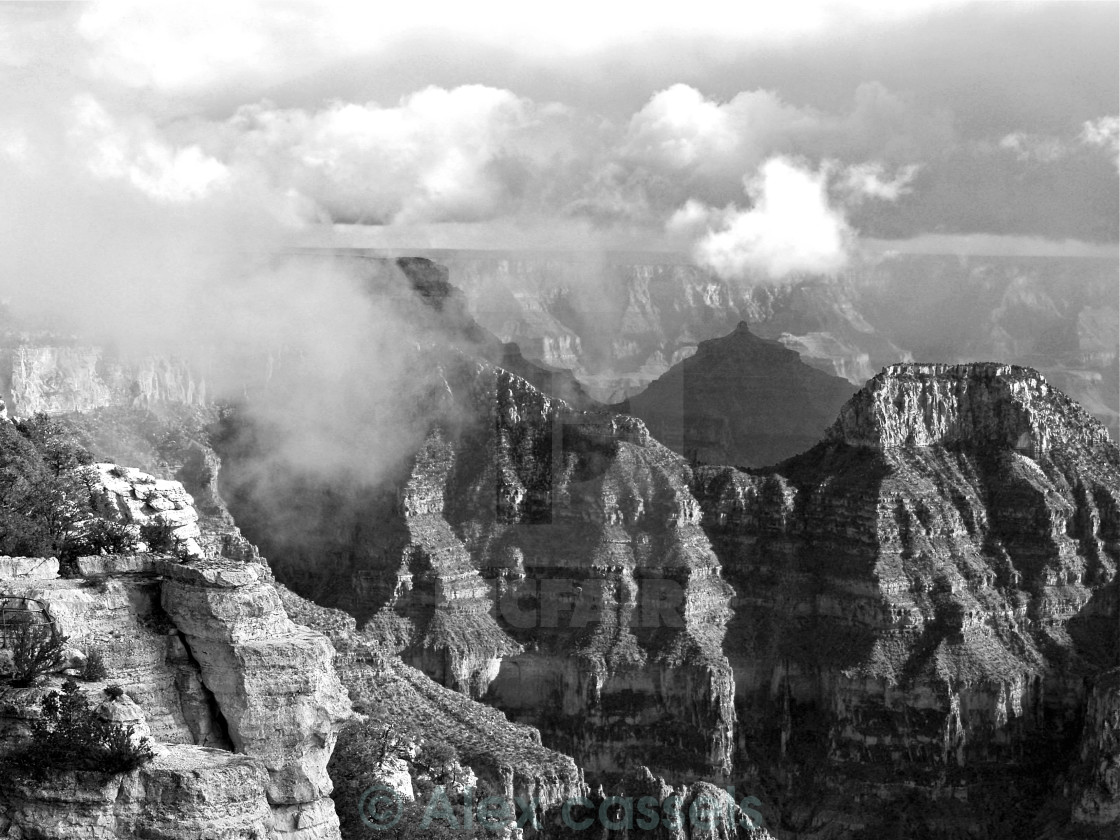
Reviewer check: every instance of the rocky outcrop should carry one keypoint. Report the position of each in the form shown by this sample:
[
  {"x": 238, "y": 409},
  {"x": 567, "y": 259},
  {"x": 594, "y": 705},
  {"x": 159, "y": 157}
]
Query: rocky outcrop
[
  {"x": 187, "y": 792},
  {"x": 440, "y": 605},
  {"x": 588, "y": 530},
  {"x": 921, "y": 597},
  {"x": 280, "y": 699},
  {"x": 137, "y": 498},
  {"x": 61, "y": 378},
  {"x": 215, "y": 667},
  {"x": 740, "y": 400},
  {"x": 976, "y": 405},
  {"x": 508, "y": 756}
]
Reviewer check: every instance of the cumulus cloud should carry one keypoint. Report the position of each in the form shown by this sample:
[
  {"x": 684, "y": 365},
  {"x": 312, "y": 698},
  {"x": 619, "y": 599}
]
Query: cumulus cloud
[
  {"x": 438, "y": 155},
  {"x": 789, "y": 230}
]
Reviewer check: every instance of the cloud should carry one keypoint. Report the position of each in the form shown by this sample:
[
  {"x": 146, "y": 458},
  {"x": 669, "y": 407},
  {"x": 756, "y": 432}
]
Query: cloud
[
  {"x": 1104, "y": 133},
  {"x": 439, "y": 155},
  {"x": 789, "y": 230},
  {"x": 868, "y": 180}
]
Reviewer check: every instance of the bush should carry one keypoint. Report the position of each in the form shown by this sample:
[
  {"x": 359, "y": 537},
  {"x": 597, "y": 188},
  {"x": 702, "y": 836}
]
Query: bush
[
  {"x": 94, "y": 669},
  {"x": 114, "y": 691},
  {"x": 100, "y": 536},
  {"x": 36, "y": 650},
  {"x": 69, "y": 736},
  {"x": 160, "y": 537}
]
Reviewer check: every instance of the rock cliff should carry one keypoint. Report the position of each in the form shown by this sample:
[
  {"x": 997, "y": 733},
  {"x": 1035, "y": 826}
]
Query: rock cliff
[
  {"x": 924, "y": 596},
  {"x": 210, "y": 657},
  {"x": 740, "y": 400},
  {"x": 61, "y": 378}
]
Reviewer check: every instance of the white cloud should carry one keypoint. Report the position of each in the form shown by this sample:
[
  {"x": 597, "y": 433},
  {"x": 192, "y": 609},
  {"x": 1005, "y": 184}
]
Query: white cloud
[
  {"x": 1104, "y": 131},
  {"x": 191, "y": 47},
  {"x": 439, "y": 155},
  {"x": 869, "y": 180},
  {"x": 789, "y": 230},
  {"x": 133, "y": 151}
]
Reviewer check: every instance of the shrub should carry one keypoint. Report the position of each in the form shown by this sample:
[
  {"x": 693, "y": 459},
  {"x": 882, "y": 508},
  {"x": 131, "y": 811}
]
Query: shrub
[
  {"x": 114, "y": 691},
  {"x": 70, "y": 736},
  {"x": 36, "y": 650},
  {"x": 160, "y": 537},
  {"x": 94, "y": 669},
  {"x": 100, "y": 536}
]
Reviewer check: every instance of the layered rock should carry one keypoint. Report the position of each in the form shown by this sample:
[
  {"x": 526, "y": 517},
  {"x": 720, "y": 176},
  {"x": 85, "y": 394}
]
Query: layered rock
[
  {"x": 212, "y": 661},
  {"x": 187, "y": 792},
  {"x": 977, "y": 405},
  {"x": 922, "y": 598},
  {"x": 138, "y": 498},
  {"x": 61, "y": 378},
  {"x": 440, "y": 605},
  {"x": 280, "y": 699},
  {"x": 589, "y": 531},
  {"x": 509, "y": 756},
  {"x": 740, "y": 400}
]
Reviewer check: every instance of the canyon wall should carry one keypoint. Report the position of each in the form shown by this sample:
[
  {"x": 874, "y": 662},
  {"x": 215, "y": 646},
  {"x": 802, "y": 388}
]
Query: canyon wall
[
  {"x": 925, "y": 602},
  {"x": 207, "y": 653},
  {"x": 60, "y": 378}
]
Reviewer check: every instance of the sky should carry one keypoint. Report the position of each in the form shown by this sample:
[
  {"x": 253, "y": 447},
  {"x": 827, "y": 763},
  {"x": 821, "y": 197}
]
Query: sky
[
  {"x": 154, "y": 157},
  {"x": 764, "y": 139}
]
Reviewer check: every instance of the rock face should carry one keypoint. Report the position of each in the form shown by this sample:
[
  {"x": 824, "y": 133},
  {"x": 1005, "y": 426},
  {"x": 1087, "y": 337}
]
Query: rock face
[
  {"x": 187, "y": 792},
  {"x": 1094, "y": 785},
  {"x": 553, "y": 560},
  {"x": 213, "y": 664},
  {"x": 589, "y": 532},
  {"x": 922, "y": 597},
  {"x": 138, "y": 498},
  {"x": 58, "y": 379},
  {"x": 281, "y": 701},
  {"x": 740, "y": 400},
  {"x": 509, "y": 756},
  {"x": 978, "y": 405}
]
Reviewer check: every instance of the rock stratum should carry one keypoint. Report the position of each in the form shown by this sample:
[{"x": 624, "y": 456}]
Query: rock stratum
[{"x": 926, "y": 604}]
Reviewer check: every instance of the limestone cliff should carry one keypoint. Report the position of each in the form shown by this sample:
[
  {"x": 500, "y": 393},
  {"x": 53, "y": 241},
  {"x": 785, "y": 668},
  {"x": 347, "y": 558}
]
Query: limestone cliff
[
  {"x": 208, "y": 654},
  {"x": 922, "y": 597},
  {"x": 60, "y": 378},
  {"x": 740, "y": 400}
]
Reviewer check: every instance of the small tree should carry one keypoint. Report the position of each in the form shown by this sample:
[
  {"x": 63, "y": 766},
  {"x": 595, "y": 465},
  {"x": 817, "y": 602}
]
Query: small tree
[
  {"x": 70, "y": 736},
  {"x": 160, "y": 537},
  {"x": 37, "y": 649},
  {"x": 98, "y": 536},
  {"x": 94, "y": 670}
]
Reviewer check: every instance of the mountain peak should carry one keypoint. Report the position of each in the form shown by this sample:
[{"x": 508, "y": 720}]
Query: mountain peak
[{"x": 980, "y": 404}]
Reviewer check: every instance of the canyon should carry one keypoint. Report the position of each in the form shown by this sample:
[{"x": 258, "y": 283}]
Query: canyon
[
  {"x": 901, "y": 622},
  {"x": 620, "y": 320}
]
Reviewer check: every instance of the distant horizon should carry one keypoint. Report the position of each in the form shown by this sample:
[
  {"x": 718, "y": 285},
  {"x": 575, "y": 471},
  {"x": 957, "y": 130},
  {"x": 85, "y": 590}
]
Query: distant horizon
[{"x": 453, "y": 239}]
